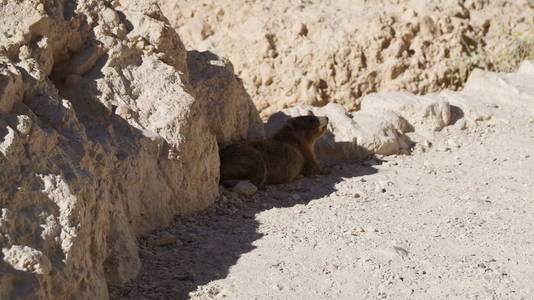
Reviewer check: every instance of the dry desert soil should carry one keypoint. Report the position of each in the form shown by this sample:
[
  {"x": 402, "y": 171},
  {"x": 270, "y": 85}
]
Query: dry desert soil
[{"x": 451, "y": 222}]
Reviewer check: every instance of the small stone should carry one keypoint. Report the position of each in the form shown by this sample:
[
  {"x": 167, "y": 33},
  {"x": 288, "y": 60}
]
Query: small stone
[
  {"x": 400, "y": 251},
  {"x": 453, "y": 143},
  {"x": 357, "y": 230},
  {"x": 165, "y": 240},
  {"x": 245, "y": 188},
  {"x": 356, "y": 195},
  {"x": 24, "y": 124},
  {"x": 146, "y": 254},
  {"x": 461, "y": 124}
]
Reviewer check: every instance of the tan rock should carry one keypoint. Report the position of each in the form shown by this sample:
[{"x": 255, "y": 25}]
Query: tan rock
[
  {"x": 231, "y": 115},
  {"x": 11, "y": 90},
  {"x": 338, "y": 51},
  {"x": 430, "y": 111},
  {"x": 27, "y": 259},
  {"x": 103, "y": 137}
]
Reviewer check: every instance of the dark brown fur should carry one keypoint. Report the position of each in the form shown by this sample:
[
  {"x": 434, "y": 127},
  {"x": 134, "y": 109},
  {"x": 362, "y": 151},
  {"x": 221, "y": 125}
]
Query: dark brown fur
[{"x": 280, "y": 159}]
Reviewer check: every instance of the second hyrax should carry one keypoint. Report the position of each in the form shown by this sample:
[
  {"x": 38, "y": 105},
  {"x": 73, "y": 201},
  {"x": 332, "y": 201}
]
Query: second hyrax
[{"x": 280, "y": 159}]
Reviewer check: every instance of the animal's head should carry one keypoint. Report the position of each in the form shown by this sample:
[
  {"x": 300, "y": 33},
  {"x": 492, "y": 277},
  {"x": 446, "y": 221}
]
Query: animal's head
[{"x": 308, "y": 127}]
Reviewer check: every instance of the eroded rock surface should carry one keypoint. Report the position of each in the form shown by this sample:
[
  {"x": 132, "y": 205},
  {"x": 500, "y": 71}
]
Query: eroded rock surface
[
  {"x": 315, "y": 52},
  {"x": 104, "y": 135}
]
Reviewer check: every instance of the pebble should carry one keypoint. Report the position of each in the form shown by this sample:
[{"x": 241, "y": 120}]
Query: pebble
[
  {"x": 400, "y": 251},
  {"x": 453, "y": 143},
  {"x": 357, "y": 230},
  {"x": 165, "y": 240},
  {"x": 461, "y": 124},
  {"x": 245, "y": 188},
  {"x": 146, "y": 254}
]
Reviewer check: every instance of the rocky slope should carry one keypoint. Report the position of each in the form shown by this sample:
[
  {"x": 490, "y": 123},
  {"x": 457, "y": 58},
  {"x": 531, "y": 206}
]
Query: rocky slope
[
  {"x": 104, "y": 134},
  {"x": 317, "y": 52},
  {"x": 451, "y": 221},
  {"x": 109, "y": 127}
]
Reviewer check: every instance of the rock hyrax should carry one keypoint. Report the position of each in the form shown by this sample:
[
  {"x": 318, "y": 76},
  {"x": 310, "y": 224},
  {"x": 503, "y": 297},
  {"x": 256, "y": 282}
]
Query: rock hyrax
[{"x": 280, "y": 159}]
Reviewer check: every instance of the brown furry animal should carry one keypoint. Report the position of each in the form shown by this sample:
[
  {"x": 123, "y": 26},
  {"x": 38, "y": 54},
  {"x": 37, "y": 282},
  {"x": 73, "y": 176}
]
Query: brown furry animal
[{"x": 280, "y": 159}]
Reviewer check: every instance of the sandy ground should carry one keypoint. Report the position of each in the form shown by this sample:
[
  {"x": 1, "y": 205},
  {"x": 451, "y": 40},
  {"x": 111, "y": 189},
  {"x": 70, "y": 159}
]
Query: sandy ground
[{"x": 453, "y": 224}]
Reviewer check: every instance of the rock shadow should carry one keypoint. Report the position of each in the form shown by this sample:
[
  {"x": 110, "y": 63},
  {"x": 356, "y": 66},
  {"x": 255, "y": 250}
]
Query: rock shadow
[
  {"x": 205, "y": 246},
  {"x": 456, "y": 114}
]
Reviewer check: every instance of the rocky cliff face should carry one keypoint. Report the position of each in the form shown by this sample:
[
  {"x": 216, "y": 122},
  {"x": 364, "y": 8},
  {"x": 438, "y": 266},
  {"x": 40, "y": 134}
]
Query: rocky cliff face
[
  {"x": 317, "y": 52},
  {"x": 109, "y": 126},
  {"x": 104, "y": 135}
]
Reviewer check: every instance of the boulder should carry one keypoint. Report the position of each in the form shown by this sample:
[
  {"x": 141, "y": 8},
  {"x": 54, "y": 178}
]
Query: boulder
[
  {"x": 231, "y": 115},
  {"x": 103, "y": 137},
  {"x": 430, "y": 111}
]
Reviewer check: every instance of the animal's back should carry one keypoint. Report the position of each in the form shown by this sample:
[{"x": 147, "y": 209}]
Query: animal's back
[
  {"x": 283, "y": 161},
  {"x": 262, "y": 162},
  {"x": 279, "y": 159},
  {"x": 242, "y": 161}
]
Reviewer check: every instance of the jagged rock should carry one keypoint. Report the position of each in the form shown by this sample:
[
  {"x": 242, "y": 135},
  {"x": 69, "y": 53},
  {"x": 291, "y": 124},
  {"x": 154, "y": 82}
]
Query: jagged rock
[
  {"x": 24, "y": 258},
  {"x": 315, "y": 52},
  {"x": 11, "y": 90},
  {"x": 101, "y": 139},
  {"x": 230, "y": 112}
]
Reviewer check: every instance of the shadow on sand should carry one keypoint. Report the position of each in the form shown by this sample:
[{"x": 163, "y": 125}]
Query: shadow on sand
[{"x": 210, "y": 243}]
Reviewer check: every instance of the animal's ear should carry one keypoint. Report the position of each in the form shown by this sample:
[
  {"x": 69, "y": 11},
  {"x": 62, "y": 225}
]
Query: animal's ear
[{"x": 310, "y": 113}]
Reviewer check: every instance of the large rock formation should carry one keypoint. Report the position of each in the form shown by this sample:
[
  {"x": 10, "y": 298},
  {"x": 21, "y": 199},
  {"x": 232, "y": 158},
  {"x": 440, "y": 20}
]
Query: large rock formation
[
  {"x": 104, "y": 135},
  {"x": 315, "y": 52}
]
